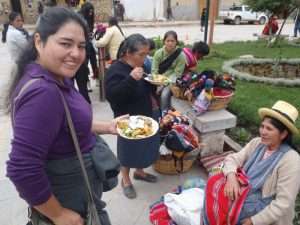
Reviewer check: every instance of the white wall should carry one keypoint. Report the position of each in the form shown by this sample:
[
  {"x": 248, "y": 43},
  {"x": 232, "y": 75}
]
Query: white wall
[
  {"x": 186, "y": 9},
  {"x": 142, "y": 10}
]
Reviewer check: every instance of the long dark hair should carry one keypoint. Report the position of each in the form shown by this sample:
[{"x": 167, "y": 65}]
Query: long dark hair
[
  {"x": 85, "y": 12},
  {"x": 201, "y": 48},
  {"x": 131, "y": 44},
  {"x": 12, "y": 16},
  {"x": 281, "y": 127},
  {"x": 50, "y": 22},
  {"x": 113, "y": 21}
]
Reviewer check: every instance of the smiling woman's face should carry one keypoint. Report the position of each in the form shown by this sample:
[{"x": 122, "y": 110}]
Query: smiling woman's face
[
  {"x": 64, "y": 51},
  {"x": 270, "y": 135}
]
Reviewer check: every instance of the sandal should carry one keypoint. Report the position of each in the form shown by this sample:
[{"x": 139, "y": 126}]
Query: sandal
[
  {"x": 147, "y": 177},
  {"x": 128, "y": 191}
]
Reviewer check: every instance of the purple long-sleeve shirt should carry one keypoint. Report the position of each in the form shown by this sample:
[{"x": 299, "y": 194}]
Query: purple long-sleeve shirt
[{"x": 41, "y": 133}]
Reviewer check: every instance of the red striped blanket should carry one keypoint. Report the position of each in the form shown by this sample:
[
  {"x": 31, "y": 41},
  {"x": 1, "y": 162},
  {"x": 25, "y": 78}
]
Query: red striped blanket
[
  {"x": 219, "y": 209},
  {"x": 211, "y": 161}
]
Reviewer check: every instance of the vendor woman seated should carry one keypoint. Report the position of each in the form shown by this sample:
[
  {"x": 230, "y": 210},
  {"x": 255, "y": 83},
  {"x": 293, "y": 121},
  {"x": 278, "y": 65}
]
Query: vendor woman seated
[
  {"x": 192, "y": 56},
  {"x": 169, "y": 61},
  {"x": 272, "y": 168}
]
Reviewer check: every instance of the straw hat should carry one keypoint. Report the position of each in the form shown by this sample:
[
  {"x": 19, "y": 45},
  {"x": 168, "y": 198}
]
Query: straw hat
[{"x": 284, "y": 112}]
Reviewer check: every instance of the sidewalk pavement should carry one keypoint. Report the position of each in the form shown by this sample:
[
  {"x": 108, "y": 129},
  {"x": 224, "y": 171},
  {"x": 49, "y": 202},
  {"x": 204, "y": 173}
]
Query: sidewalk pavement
[{"x": 122, "y": 211}]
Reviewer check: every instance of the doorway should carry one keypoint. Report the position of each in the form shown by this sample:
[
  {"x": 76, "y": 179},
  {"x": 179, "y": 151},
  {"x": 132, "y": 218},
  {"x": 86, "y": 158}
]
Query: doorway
[{"x": 16, "y": 6}]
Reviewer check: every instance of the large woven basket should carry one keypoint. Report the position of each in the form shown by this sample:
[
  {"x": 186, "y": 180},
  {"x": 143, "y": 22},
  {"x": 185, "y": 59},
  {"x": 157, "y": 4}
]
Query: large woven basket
[
  {"x": 222, "y": 97},
  {"x": 166, "y": 163},
  {"x": 177, "y": 92}
]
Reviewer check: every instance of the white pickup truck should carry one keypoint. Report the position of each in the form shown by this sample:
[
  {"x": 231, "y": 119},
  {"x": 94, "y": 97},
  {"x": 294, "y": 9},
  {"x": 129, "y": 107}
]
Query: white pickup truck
[{"x": 243, "y": 13}]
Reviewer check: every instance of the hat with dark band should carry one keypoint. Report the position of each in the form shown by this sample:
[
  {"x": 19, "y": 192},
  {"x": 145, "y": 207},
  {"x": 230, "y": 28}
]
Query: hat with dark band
[{"x": 284, "y": 112}]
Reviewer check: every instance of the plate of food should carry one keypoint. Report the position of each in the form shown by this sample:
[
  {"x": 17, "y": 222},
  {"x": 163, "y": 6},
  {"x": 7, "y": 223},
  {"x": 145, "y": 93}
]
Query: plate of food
[
  {"x": 137, "y": 127},
  {"x": 158, "y": 79}
]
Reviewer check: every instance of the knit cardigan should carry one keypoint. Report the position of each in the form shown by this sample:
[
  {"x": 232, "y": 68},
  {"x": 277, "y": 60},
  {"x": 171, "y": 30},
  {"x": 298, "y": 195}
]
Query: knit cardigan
[
  {"x": 284, "y": 182},
  {"x": 112, "y": 40}
]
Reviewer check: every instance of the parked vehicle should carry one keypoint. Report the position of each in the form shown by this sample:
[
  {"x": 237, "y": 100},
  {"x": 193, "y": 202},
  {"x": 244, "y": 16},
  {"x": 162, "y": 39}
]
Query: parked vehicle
[{"x": 243, "y": 13}]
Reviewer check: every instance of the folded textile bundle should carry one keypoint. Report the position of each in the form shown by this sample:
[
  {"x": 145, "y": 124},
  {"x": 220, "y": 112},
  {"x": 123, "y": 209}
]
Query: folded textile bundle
[
  {"x": 212, "y": 161},
  {"x": 185, "y": 208}
]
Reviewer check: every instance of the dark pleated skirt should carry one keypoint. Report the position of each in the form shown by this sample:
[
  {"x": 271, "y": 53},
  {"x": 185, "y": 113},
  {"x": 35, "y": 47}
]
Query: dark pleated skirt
[
  {"x": 138, "y": 153},
  {"x": 68, "y": 185}
]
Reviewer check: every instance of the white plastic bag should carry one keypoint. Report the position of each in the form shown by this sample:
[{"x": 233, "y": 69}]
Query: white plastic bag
[{"x": 185, "y": 208}]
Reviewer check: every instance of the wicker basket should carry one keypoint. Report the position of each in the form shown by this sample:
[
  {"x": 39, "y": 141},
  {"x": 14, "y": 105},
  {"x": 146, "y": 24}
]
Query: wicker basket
[
  {"x": 177, "y": 92},
  {"x": 166, "y": 163},
  {"x": 222, "y": 97}
]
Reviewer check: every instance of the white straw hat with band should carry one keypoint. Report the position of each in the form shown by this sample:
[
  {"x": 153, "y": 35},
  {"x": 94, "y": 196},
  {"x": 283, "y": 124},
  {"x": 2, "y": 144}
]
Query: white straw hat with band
[{"x": 284, "y": 112}]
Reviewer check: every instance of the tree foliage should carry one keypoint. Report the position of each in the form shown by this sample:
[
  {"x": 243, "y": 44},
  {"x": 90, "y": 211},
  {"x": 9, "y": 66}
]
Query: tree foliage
[{"x": 277, "y": 7}]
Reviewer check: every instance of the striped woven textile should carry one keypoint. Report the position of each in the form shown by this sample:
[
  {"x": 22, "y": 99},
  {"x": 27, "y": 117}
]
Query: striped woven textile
[
  {"x": 218, "y": 208},
  {"x": 212, "y": 161}
]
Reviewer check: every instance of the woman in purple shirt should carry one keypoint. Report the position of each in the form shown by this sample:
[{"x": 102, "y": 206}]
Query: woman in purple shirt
[{"x": 43, "y": 164}]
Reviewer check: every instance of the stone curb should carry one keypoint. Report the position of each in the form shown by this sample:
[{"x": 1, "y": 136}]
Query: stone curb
[{"x": 228, "y": 68}]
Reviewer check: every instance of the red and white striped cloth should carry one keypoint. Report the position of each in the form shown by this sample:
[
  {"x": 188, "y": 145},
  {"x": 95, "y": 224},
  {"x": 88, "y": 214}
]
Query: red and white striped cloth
[{"x": 212, "y": 161}]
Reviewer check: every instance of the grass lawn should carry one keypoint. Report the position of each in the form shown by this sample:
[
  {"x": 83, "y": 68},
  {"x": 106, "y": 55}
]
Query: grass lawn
[{"x": 250, "y": 96}]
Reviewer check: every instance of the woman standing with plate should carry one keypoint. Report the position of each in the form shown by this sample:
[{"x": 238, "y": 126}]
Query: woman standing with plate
[{"x": 128, "y": 93}]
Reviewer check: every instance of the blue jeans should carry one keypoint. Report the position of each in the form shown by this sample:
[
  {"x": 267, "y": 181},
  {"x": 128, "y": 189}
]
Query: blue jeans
[
  {"x": 165, "y": 98},
  {"x": 296, "y": 28}
]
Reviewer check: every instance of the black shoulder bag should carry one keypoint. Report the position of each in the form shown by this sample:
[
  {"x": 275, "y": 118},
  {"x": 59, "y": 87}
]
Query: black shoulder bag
[{"x": 165, "y": 65}]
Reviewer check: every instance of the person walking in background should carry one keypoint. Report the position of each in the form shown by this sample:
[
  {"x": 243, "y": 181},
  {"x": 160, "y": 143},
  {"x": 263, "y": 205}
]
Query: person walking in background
[
  {"x": 15, "y": 35},
  {"x": 297, "y": 23},
  {"x": 128, "y": 93},
  {"x": 40, "y": 7},
  {"x": 112, "y": 38},
  {"x": 120, "y": 11},
  {"x": 82, "y": 75},
  {"x": 169, "y": 11},
  {"x": 43, "y": 164},
  {"x": 202, "y": 19}
]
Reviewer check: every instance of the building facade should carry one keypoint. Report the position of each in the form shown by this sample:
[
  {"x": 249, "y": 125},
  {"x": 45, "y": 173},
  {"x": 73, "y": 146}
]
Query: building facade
[
  {"x": 28, "y": 8},
  {"x": 135, "y": 10}
]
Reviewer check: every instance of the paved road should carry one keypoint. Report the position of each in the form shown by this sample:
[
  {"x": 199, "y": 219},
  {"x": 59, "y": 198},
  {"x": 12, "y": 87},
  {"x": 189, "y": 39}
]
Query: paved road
[
  {"x": 13, "y": 210},
  {"x": 191, "y": 33}
]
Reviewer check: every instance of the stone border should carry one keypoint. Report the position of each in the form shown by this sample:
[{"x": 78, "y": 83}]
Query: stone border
[
  {"x": 228, "y": 68},
  {"x": 293, "y": 44}
]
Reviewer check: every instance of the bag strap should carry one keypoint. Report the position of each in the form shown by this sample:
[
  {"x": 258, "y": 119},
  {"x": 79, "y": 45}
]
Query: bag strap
[
  {"x": 165, "y": 64},
  {"x": 91, "y": 201}
]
